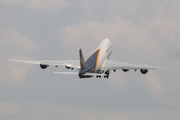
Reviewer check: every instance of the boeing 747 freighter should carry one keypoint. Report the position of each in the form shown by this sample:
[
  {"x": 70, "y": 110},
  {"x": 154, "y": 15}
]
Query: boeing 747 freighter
[{"x": 98, "y": 64}]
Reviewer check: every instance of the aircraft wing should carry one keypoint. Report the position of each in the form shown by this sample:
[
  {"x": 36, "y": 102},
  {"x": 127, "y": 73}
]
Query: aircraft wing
[
  {"x": 113, "y": 65},
  {"x": 68, "y": 63}
]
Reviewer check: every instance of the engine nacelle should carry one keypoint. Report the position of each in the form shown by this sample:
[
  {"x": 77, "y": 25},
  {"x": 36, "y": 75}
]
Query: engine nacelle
[
  {"x": 69, "y": 67},
  {"x": 44, "y": 66},
  {"x": 125, "y": 70},
  {"x": 144, "y": 71}
]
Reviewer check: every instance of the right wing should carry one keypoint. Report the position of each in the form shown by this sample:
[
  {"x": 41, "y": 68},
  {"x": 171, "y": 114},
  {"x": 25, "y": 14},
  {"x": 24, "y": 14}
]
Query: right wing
[
  {"x": 113, "y": 65},
  {"x": 67, "y": 63}
]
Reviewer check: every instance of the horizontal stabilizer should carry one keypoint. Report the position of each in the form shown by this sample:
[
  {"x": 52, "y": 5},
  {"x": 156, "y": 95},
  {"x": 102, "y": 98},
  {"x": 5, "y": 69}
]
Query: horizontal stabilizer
[
  {"x": 76, "y": 73},
  {"x": 67, "y": 73},
  {"x": 93, "y": 74}
]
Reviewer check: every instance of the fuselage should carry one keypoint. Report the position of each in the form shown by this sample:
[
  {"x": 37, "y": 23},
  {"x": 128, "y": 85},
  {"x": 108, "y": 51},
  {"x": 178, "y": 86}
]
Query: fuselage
[
  {"x": 105, "y": 52},
  {"x": 99, "y": 57}
]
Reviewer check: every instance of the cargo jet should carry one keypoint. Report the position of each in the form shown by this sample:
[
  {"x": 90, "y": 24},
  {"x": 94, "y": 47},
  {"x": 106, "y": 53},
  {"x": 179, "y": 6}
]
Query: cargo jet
[{"x": 98, "y": 64}]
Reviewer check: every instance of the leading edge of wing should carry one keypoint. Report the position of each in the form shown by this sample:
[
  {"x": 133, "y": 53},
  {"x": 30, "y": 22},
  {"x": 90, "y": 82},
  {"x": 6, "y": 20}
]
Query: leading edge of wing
[
  {"x": 69, "y": 63},
  {"x": 111, "y": 65},
  {"x": 27, "y": 61}
]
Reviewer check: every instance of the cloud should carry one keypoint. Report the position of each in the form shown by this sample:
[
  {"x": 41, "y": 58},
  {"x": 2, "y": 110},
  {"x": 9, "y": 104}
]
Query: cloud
[
  {"x": 15, "y": 45},
  {"x": 149, "y": 42},
  {"x": 7, "y": 108},
  {"x": 117, "y": 80},
  {"x": 14, "y": 39},
  {"x": 39, "y": 5},
  {"x": 142, "y": 32},
  {"x": 46, "y": 111},
  {"x": 160, "y": 114},
  {"x": 122, "y": 33},
  {"x": 15, "y": 72},
  {"x": 156, "y": 38},
  {"x": 155, "y": 85}
]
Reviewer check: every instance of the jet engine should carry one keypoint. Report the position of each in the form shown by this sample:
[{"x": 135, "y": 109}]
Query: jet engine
[
  {"x": 44, "y": 66},
  {"x": 125, "y": 70},
  {"x": 69, "y": 67},
  {"x": 144, "y": 71}
]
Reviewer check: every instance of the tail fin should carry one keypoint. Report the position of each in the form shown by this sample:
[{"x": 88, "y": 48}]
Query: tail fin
[{"x": 82, "y": 61}]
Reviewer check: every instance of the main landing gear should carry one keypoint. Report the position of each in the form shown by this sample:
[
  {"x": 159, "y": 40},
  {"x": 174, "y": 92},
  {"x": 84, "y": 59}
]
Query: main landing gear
[
  {"x": 107, "y": 74},
  {"x": 98, "y": 76}
]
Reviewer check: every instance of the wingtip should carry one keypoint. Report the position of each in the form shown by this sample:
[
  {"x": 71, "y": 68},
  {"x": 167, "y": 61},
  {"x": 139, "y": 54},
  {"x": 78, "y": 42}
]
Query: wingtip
[
  {"x": 164, "y": 68},
  {"x": 10, "y": 60}
]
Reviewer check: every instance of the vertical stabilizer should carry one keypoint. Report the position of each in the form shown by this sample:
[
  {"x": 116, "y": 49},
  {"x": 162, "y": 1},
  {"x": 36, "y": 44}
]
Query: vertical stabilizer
[{"x": 82, "y": 61}]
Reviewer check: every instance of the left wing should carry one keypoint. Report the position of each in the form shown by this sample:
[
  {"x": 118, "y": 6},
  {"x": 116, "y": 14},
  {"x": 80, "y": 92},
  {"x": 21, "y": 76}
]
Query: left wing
[
  {"x": 113, "y": 65},
  {"x": 67, "y": 63}
]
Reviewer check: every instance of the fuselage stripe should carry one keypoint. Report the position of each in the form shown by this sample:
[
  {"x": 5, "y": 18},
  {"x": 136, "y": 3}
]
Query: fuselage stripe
[{"x": 97, "y": 59}]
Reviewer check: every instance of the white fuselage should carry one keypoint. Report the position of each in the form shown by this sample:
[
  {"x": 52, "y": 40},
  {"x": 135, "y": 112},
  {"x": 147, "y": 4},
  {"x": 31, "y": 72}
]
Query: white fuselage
[{"x": 105, "y": 52}]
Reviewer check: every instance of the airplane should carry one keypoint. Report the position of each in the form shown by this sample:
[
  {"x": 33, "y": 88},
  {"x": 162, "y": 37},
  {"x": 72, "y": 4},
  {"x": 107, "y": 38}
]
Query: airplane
[{"x": 98, "y": 64}]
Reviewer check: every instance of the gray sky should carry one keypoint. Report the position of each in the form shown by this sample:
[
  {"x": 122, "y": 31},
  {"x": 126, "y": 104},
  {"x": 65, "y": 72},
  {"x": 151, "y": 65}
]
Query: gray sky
[{"x": 141, "y": 31}]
